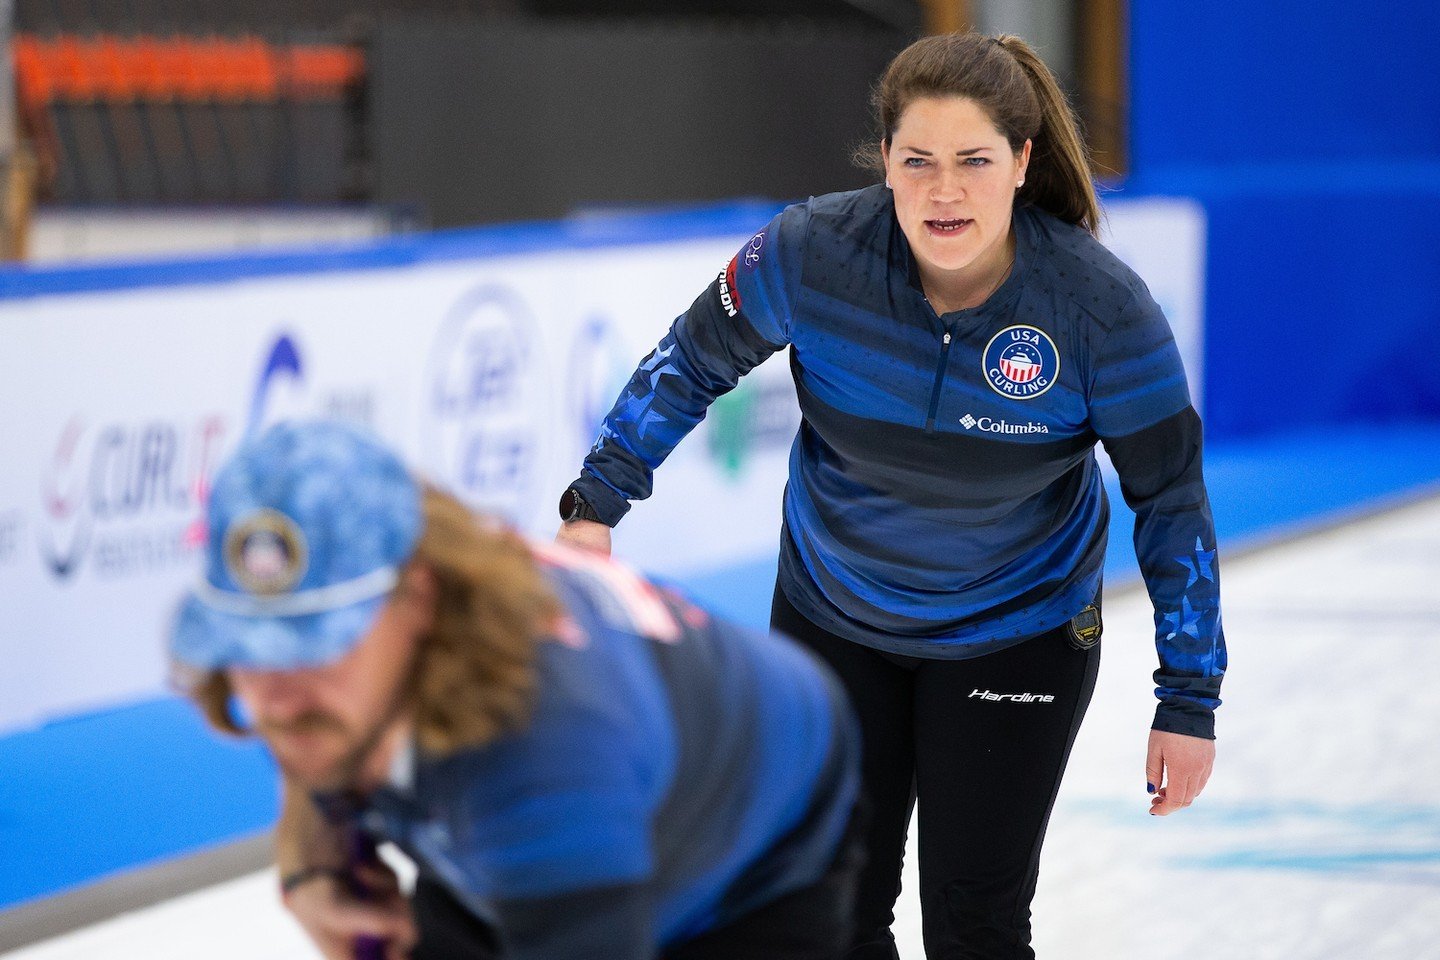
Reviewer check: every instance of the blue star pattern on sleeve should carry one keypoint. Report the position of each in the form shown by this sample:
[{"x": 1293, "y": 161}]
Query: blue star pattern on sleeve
[
  {"x": 656, "y": 364},
  {"x": 1185, "y": 621},
  {"x": 1194, "y": 627},
  {"x": 1202, "y": 564},
  {"x": 704, "y": 354},
  {"x": 1188, "y": 635}
]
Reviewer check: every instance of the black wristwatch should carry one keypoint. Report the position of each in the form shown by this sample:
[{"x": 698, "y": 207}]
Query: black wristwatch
[{"x": 574, "y": 507}]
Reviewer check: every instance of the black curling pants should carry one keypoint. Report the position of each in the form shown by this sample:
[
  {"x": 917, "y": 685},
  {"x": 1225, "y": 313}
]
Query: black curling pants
[{"x": 985, "y": 771}]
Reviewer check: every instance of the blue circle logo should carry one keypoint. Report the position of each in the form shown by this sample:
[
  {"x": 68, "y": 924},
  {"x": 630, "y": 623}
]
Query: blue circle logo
[
  {"x": 489, "y": 401},
  {"x": 1021, "y": 362}
]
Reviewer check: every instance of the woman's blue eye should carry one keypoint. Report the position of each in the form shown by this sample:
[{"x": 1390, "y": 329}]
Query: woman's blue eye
[
  {"x": 914, "y": 162},
  {"x": 977, "y": 161}
]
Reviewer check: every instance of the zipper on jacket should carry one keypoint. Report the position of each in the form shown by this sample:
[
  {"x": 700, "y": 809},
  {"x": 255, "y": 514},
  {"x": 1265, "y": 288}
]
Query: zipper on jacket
[{"x": 939, "y": 378}]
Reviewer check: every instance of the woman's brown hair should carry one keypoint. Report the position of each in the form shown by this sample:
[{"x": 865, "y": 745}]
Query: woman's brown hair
[
  {"x": 1021, "y": 96},
  {"x": 474, "y": 674}
]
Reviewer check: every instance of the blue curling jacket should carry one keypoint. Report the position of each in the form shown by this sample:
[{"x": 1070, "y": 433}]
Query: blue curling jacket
[
  {"x": 944, "y": 500},
  {"x": 675, "y": 772}
]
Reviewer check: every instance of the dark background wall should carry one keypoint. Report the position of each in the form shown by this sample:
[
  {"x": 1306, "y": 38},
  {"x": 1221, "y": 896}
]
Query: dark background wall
[
  {"x": 1311, "y": 134},
  {"x": 272, "y": 18},
  {"x": 471, "y": 110},
  {"x": 287, "y": 17},
  {"x": 496, "y": 120}
]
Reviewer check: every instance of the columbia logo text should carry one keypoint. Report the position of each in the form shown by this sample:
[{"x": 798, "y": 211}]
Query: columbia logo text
[
  {"x": 990, "y": 425},
  {"x": 1012, "y": 697}
]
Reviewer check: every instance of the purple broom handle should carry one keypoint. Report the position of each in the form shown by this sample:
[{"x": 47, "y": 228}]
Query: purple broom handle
[{"x": 360, "y": 850}]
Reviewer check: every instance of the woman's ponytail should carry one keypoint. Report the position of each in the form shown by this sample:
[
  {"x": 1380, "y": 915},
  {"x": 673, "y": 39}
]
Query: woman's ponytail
[{"x": 1060, "y": 180}]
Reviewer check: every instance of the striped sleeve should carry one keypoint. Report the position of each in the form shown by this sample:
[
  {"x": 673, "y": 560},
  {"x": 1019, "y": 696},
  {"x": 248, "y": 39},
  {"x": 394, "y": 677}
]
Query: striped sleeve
[
  {"x": 1138, "y": 379},
  {"x": 1141, "y": 409},
  {"x": 742, "y": 318}
]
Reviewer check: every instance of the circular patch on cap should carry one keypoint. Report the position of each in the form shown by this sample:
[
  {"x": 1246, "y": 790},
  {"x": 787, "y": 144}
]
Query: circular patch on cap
[
  {"x": 1021, "y": 362},
  {"x": 265, "y": 553}
]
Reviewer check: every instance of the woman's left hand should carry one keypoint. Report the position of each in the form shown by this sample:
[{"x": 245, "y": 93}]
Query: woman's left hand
[{"x": 1184, "y": 763}]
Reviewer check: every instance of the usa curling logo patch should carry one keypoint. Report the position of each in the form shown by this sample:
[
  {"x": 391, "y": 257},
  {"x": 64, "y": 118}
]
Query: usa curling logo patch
[
  {"x": 266, "y": 553},
  {"x": 1021, "y": 362}
]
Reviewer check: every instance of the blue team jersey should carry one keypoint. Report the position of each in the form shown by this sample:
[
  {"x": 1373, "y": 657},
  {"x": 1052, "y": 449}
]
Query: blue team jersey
[
  {"x": 675, "y": 772},
  {"x": 944, "y": 500}
]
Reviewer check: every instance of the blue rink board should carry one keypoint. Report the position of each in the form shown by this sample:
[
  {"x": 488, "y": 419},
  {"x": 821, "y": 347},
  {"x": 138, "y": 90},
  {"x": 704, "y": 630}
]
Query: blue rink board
[{"x": 90, "y": 796}]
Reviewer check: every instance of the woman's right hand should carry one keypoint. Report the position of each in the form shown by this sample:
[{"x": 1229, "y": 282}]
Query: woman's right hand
[
  {"x": 586, "y": 535},
  {"x": 335, "y": 920}
]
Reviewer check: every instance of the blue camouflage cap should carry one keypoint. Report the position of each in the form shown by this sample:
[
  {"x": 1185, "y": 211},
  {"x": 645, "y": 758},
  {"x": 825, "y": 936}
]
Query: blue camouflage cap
[{"x": 309, "y": 525}]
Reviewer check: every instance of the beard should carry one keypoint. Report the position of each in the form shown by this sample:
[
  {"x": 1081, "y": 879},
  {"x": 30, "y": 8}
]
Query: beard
[
  {"x": 322, "y": 751},
  {"x": 319, "y": 751},
  {"x": 315, "y": 749}
]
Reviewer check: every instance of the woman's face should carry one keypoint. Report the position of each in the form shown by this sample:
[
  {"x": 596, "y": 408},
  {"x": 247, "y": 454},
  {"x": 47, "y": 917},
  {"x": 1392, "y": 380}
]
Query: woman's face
[{"x": 954, "y": 178}]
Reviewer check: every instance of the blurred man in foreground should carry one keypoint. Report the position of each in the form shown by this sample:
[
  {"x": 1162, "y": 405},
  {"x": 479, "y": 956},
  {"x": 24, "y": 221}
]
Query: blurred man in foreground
[{"x": 579, "y": 764}]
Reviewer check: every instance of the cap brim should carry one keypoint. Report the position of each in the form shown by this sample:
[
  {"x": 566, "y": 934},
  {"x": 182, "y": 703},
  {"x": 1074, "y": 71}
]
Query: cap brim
[{"x": 207, "y": 639}]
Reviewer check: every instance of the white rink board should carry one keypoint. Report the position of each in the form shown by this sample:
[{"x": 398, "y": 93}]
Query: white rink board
[
  {"x": 127, "y": 401},
  {"x": 490, "y": 374},
  {"x": 1317, "y": 839}
]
